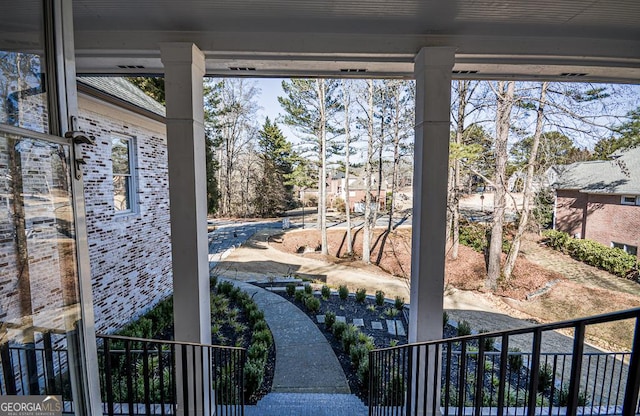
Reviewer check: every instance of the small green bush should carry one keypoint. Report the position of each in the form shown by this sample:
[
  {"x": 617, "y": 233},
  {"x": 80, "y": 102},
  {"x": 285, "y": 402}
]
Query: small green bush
[
  {"x": 312, "y": 303},
  {"x": 260, "y": 325},
  {"x": 338, "y": 329},
  {"x": 350, "y": 338},
  {"x": 545, "y": 378},
  {"x": 300, "y": 296},
  {"x": 464, "y": 328},
  {"x": 325, "y": 291},
  {"x": 561, "y": 397},
  {"x": 363, "y": 372},
  {"x": 253, "y": 376},
  {"x": 357, "y": 354},
  {"x": 343, "y": 292},
  {"x": 612, "y": 260},
  {"x": 515, "y": 359},
  {"x": 361, "y": 295},
  {"x": 329, "y": 319},
  {"x": 263, "y": 336},
  {"x": 391, "y": 312},
  {"x": 308, "y": 289},
  {"x": 257, "y": 352},
  {"x": 445, "y": 319},
  {"x": 489, "y": 343},
  {"x": 399, "y": 303},
  {"x": 213, "y": 281},
  {"x": 291, "y": 289},
  {"x": 379, "y": 297},
  {"x": 225, "y": 288},
  {"x": 255, "y": 315}
]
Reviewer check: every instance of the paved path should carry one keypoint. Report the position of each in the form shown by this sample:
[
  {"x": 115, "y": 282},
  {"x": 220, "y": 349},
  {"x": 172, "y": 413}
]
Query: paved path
[
  {"x": 296, "y": 404},
  {"x": 305, "y": 362},
  {"x": 229, "y": 235}
]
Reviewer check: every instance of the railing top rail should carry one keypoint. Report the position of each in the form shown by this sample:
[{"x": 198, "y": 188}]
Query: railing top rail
[
  {"x": 572, "y": 323},
  {"x": 162, "y": 341}
]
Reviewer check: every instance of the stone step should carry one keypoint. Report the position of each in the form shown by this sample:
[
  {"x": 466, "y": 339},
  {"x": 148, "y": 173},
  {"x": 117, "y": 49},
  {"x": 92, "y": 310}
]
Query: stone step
[{"x": 308, "y": 404}]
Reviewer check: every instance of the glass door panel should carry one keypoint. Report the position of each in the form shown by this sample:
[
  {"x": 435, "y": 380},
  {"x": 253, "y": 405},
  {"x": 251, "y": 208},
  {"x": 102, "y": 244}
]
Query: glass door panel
[
  {"x": 39, "y": 301},
  {"x": 23, "y": 92}
]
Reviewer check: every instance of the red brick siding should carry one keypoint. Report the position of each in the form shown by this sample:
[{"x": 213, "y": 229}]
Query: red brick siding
[{"x": 607, "y": 219}]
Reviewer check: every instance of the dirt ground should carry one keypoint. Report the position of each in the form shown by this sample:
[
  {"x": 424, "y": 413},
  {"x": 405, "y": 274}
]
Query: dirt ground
[
  {"x": 564, "y": 298},
  {"x": 466, "y": 273}
]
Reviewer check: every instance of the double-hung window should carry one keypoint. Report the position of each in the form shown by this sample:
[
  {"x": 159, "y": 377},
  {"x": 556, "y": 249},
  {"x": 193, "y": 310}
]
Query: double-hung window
[{"x": 123, "y": 178}]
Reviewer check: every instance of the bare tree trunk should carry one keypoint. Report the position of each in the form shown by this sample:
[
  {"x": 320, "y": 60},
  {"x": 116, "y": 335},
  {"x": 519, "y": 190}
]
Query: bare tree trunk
[
  {"x": 347, "y": 167},
  {"x": 505, "y": 94},
  {"x": 455, "y": 214},
  {"x": 378, "y": 201},
  {"x": 366, "y": 236},
  {"x": 322, "y": 208},
  {"x": 528, "y": 191}
]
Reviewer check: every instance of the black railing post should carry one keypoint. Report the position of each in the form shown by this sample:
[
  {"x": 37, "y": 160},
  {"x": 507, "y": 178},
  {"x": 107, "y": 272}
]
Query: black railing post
[
  {"x": 462, "y": 378},
  {"x": 631, "y": 405},
  {"x": 479, "y": 376},
  {"x": 7, "y": 369},
  {"x": 576, "y": 369},
  {"x": 129, "y": 369},
  {"x": 108, "y": 379},
  {"x": 50, "y": 386},
  {"x": 146, "y": 377},
  {"x": 504, "y": 356},
  {"x": 534, "y": 375}
]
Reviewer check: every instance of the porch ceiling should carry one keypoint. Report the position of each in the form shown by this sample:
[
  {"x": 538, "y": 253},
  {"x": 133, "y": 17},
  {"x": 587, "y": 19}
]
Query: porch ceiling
[{"x": 497, "y": 38}]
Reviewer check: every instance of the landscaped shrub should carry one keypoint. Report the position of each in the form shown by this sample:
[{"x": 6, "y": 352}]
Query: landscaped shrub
[
  {"x": 399, "y": 303},
  {"x": 308, "y": 289},
  {"x": 545, "y": 378},
  {"x": 312, "y": 303},
  {"x": 325, "y": 292},
  {"x": 343, "y": 292},
  {"x": 299, "y": 296},
  {"x": 255, "y": 316},
  {"x": 391, "y": 312},
  {"x": 358, "y": 353},
  {"x": 329, "y": 319},
  {"x": 445, "y": 319},
  {"x": 253, "y": 376},
  {"x": 263, "y": 336},
  {"x": 349, "y": 337},
  {"x": 338, "y": 329},
  {"x": 361, "y": 295},
  {"x": 257, "y": 351},
  {"x": 260, "y": 325},
  {"x": 610, "y": 259},
  {"x": 489, "y": 343},
  {"x": 379, "y": 297},
  {"x": 464, "y": 328},
  {"x": 225, "y": 288},
  {"x": 394, "y": 391},
  {"x": 291, "y": 289},
  {"x": 561, "y": 397},
  {"x": 515, "y": 359}
]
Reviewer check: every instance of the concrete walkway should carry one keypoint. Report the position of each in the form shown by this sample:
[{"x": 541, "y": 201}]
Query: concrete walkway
[{"x": 305, "y": 362}]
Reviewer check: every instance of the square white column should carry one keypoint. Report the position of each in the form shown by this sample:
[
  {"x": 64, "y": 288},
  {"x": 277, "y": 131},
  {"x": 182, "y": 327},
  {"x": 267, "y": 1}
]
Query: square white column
[
  {"x": 184, "y": 70},
  {"x": 432, "y": 70}
]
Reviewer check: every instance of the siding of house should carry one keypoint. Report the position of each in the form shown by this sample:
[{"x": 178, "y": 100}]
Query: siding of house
[
  {"x": 598, "y": 217},
  {"x": 130, "y": 253}
]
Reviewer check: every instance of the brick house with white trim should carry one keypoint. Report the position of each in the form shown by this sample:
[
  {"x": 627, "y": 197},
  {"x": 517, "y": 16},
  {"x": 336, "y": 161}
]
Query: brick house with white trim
[{"x": 600, "y": 200}]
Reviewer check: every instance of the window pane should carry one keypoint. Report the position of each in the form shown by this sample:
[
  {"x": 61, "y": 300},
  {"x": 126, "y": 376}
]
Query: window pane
[
  {"x": 120, "y": 156},
  {"x": 23, "y": 96},
  {"x": 633, "y": 250},
  {"x": 121, "y": 194}
]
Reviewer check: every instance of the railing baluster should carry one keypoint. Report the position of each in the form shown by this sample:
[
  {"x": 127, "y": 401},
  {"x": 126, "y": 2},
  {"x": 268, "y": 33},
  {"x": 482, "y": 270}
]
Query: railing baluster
[
  {"x": 576, "y": 369},
  {"x": 146, "y": 376},
  {"x": 502, "y": 381},
  {"x": 534, "y": 375},
  {"x": 479, "y": 376},
  {"x": 50, "y": 385},
  {"x": 447, "y": 378},
  {"x": 108, "y": 379},
  {"x": 436, "y": 376},
  {"x": 410, "y": 387},
  {"x": 462, "y": 377},
  {"x": 129, "y": 370},
  {"x": 161, "y": 378},
  {"x": 7, "y": 369},
  {"x": 633, "y": 379}
]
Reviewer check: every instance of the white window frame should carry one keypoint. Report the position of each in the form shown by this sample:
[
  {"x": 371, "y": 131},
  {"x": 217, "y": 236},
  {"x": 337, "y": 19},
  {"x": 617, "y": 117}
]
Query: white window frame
[
  {"x": 132, "y": 183},
  {"x": 636, "y": 200},
  {"x": 624, "y": 247}
]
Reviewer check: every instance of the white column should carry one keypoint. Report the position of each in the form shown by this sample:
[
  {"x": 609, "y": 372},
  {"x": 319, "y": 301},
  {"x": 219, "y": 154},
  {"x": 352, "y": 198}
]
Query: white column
[
  {"x": 184, "y": 70},
  {"x": 433, "y": 100}
]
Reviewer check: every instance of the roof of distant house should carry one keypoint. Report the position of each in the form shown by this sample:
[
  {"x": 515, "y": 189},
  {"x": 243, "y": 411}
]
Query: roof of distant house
[
  {"x": 620, "y": 175},
  {"x": 124, "y": 92}
]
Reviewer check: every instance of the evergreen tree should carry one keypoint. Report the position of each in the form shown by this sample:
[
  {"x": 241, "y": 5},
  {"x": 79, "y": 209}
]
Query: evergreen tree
[
  {"x": 629, "y": 137},
  {"x": 274, "y": 193}
]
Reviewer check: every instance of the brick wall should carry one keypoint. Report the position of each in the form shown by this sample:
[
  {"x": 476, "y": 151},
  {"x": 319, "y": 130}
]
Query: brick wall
[
  {"x": 607, "y": 220},
  {"x": 130, "y": 253}
]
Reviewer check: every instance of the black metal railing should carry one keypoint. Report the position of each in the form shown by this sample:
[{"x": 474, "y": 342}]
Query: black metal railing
[
  {"x": 137, "y": 376},
  {"x": 482, "y": 375}
]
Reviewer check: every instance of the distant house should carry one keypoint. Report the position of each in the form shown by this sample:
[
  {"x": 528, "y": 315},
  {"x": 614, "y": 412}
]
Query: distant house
[
  {"x": 336, "y": 189},
  {"x": 600, "y": 200}
]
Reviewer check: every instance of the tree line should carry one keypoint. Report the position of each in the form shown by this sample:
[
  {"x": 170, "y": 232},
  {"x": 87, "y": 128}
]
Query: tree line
[{"x": 504, "y": 136}]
